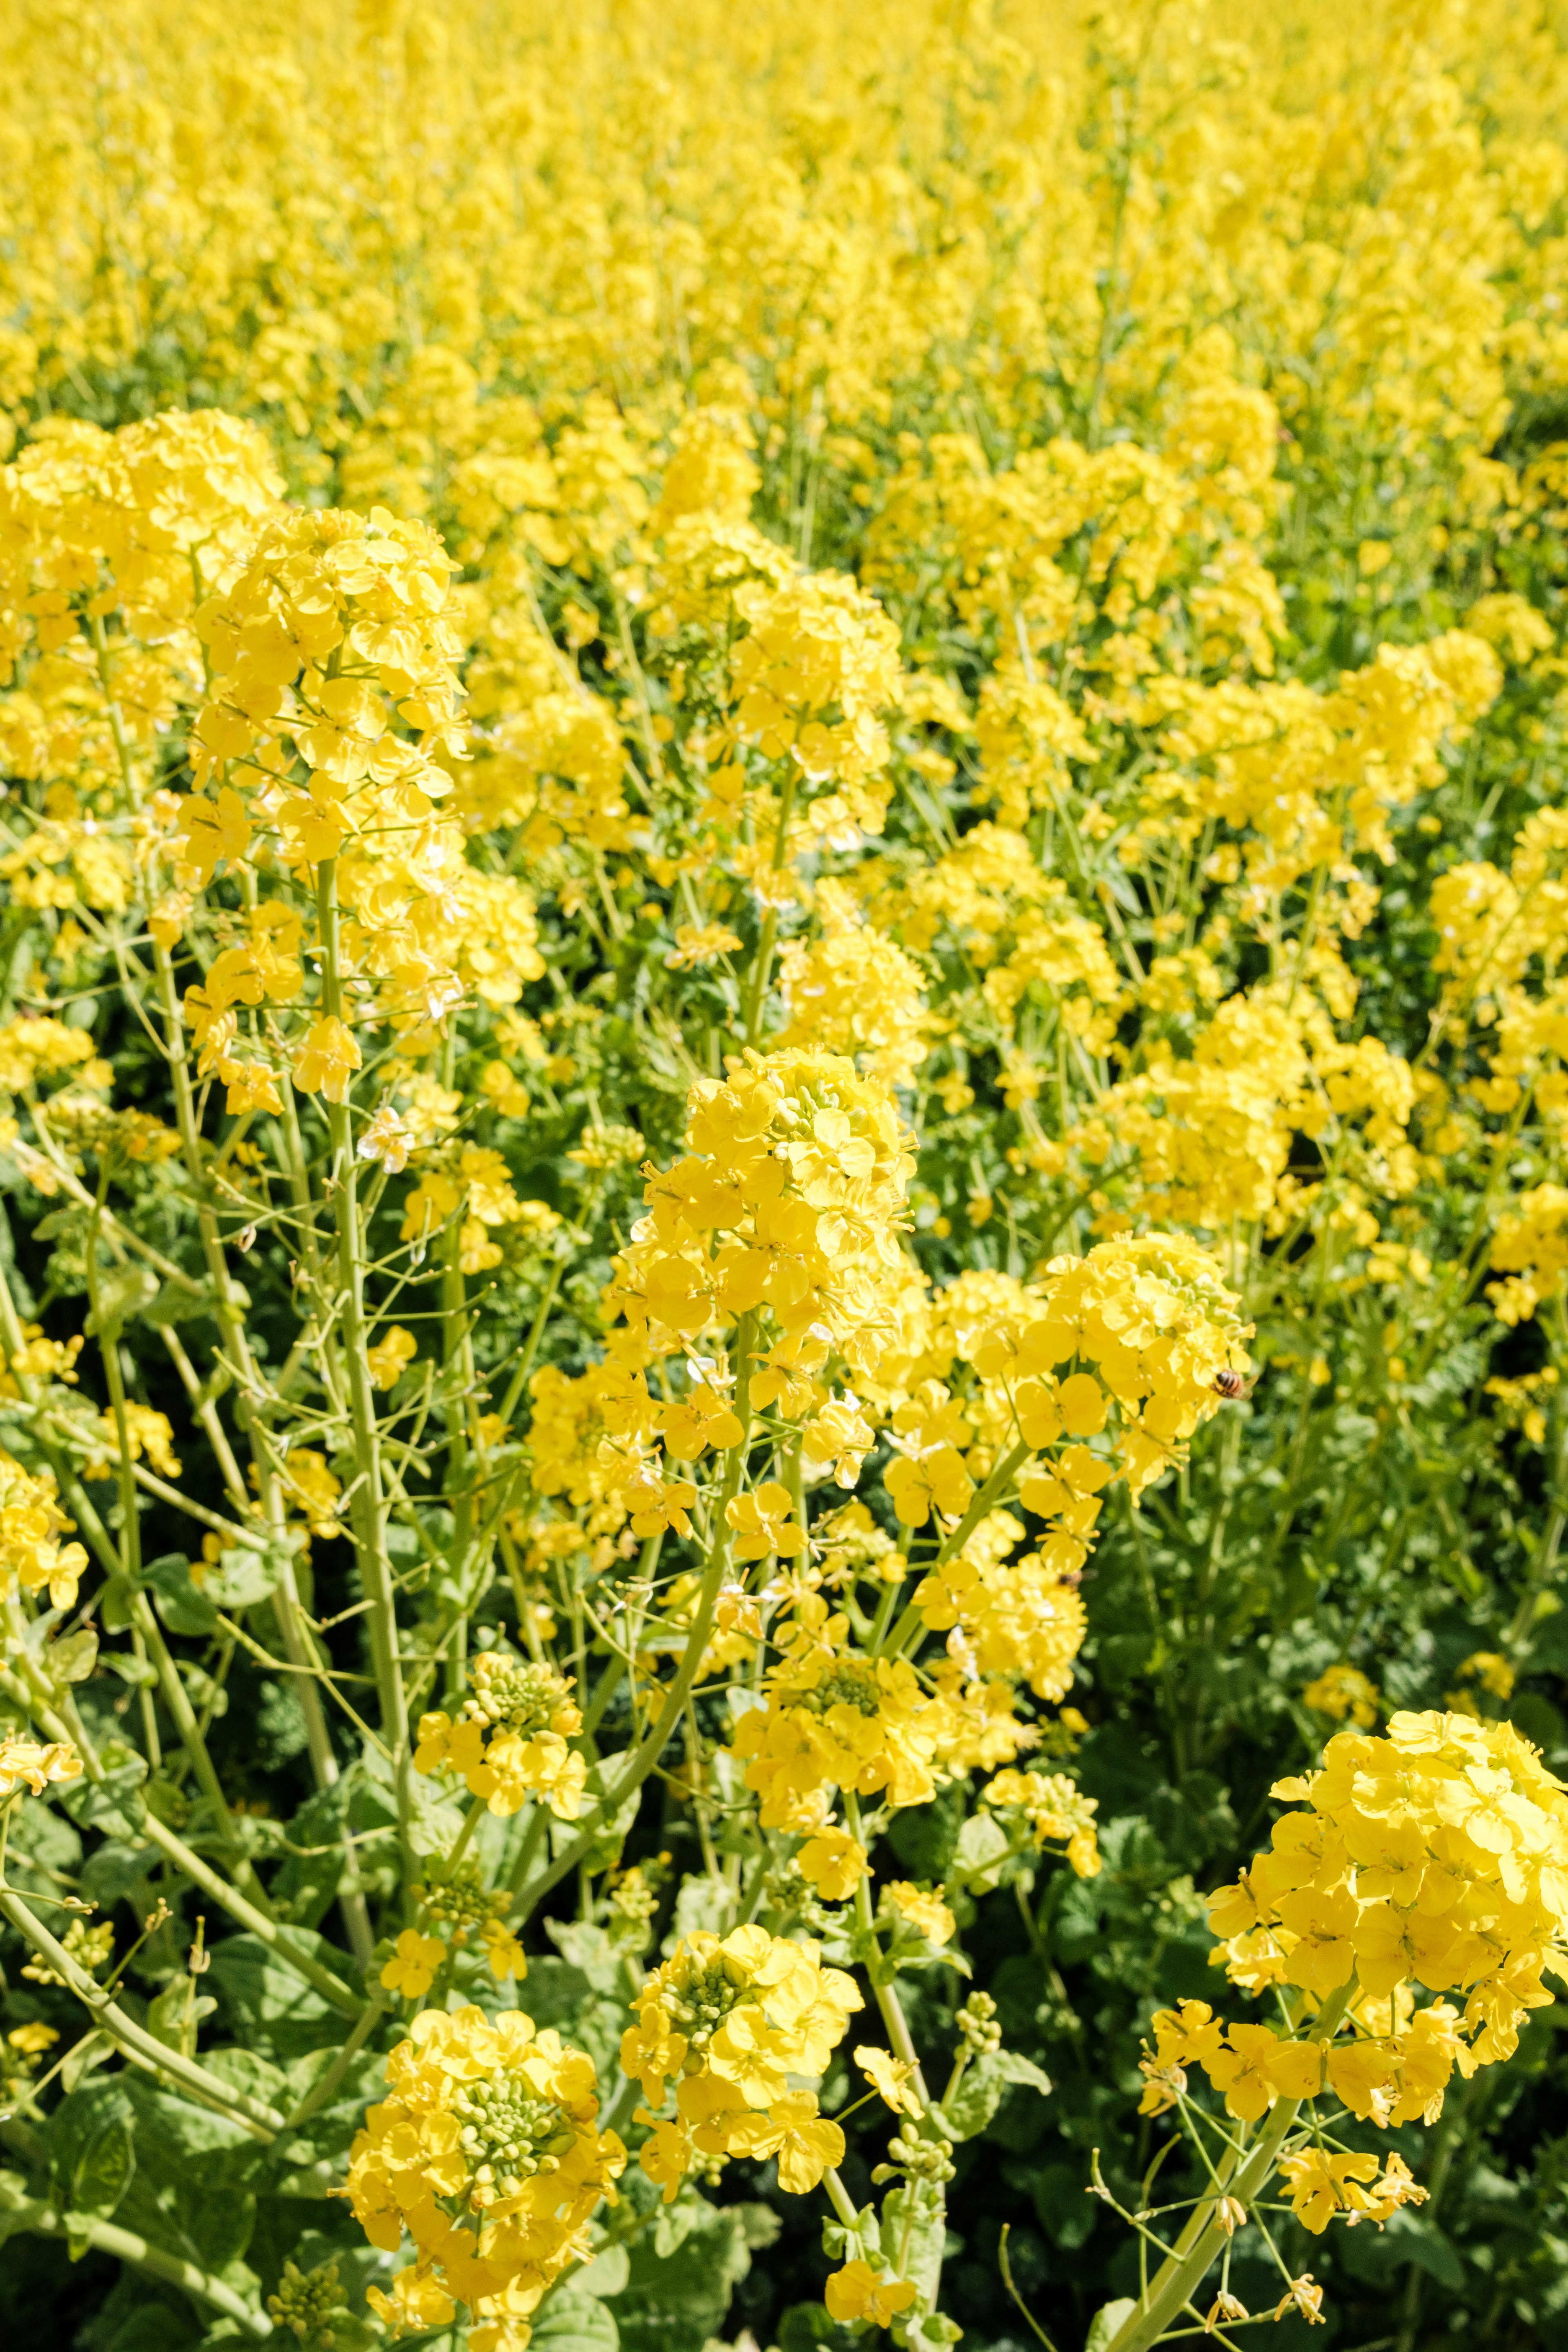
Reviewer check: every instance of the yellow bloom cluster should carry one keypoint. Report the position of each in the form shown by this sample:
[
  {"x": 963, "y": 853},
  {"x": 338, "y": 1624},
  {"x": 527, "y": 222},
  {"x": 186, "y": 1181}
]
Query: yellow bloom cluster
[
  {"x": 24, "y": 1764},
  {"x": 1051, "y": 1806},
  {"x": 509, "y": 1742},
  {"x": 730, "y": 2022},
  {"x": 486, "y": 2152},
  {"x": 32, "y": 1558},
  {"x": 1436, "y": 1856}
]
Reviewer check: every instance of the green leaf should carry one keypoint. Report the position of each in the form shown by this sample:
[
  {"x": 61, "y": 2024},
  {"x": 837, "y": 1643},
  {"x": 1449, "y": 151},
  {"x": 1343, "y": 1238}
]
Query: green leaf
[
  {"x": 94, "y": 2049},
  {"x": 168, "y": 2015},
  {"x": 269, "y": 2005},
  {"x": 986, "y": 2083},
  {"x": 1014, "y": 2067},
  {"x": 89, "y": 2139},
  {"x": 921, "y": 2212},
  {"x": 681, "y": 2298},
  {"x": 182, "y": 1608},
  {"x": 242, "y": 1576},
  {"x": 570, "y": 2320},
  {"x": 140, "y": 1673},
  {"x": 1421, "y": 2241},
  {"x": 982, "y": 1847},
  {"x": 116, "y": 1866},
  {"x": 73, "y": 1659},
  {"x": 114, "y": 1605},
  {"x": 124, "y": 1292},
  {"x": 607, "y": 2273},
  {"x": 929, "y": 2331},
  {"x": 306, "y": 1882},
  {"x": 101, "y": 2173},
  {"x": 1104, "y": 2326},
  {"x": 589, "y": 1950},
  {"x": 178, "y": 1302},
  {"x": 113, "y": 1803},
  {"x": 191, "y": 2192}
]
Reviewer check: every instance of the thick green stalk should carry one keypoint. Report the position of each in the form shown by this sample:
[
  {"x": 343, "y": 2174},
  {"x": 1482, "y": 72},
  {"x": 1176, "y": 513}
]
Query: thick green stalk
[
  {"x": 200, "y": 1872},
  {"x": 262, "y": 2122},
  {"x": 369, "y": 1497},
  {"x": 36, "y": 2215}
]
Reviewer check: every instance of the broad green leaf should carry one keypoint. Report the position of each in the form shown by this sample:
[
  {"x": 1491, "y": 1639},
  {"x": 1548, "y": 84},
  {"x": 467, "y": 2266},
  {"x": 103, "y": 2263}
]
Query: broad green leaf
[
  {"x": 113, "y": 1803},
  {"x": 1107, "y": 2320},
  {"x": 681, "y": 2299},
  {"x": 101, "y": 2172},
  {"x": 914, "y": 2219},
  {"x": 982, "y": 1847},
  {"x": 571, "y": 2321},
  {"x": 986, "y": 2081},
  {"x": 73, "y": 1659},
  {"x": 124, "y": 1292},
  {"x": 178, "y": 1302},
  {"x": 606, "y": 2274},
  {"x": 140, "y": 1673},
  {"x": 303, "y": 1889},
  {"x": 269, "y": 2005},
  {"x": 589, "y": 1950},
  {"x": 114, "y": 1868},
  {"x": 1014, "y": 2067},
  {"x": 243, "y": 1575},
  {"x": 94, "y": 2049},
  {"x": 90, "y": 2140},
  {"x": 1419, "y": 2240},
  {"x": 182, "y": 1608},
  {"x": 167, "y": 2015}
]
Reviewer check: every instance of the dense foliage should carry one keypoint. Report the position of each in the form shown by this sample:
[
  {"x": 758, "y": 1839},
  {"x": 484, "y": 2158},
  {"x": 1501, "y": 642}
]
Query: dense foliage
[{"x": 785, "y": 1057}]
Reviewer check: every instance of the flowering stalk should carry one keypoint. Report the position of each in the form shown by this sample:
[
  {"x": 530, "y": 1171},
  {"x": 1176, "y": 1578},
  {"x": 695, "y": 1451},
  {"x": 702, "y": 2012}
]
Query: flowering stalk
[
  {"x": 369, "y": 1504},
  {"x": 1243, "y": 2175}
]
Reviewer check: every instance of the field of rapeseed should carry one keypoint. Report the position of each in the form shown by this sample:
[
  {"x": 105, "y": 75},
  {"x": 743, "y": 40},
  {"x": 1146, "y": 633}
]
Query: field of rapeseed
[{"x": 784, "y": 1236}]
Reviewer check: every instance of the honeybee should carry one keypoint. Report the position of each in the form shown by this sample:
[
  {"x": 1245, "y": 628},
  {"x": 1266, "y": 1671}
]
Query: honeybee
[{"x": 1233, "y": 1385}]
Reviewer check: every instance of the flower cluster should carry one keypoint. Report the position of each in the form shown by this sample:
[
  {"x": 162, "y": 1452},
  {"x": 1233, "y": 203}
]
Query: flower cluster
[
  {"x": 24, "y": 1764},
  {"x": 729, "y": 2021},
  {"x": 509, "y": 1742},
  {"x": 1432, "y": 1856},
  {"x": 32, "y": 1558},
  {"x": 486, "y": 2152}
]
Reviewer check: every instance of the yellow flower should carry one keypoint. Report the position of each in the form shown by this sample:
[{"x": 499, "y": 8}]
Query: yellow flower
[
  {"x": 442, "y": 1746},
  {"x": 763, "y": 1524},
  {"x": 925, "y": 1911},
  {"x": 24, "y": 1764},
  {"x": 412, "y": 1966},
  {"x": 834, "y": 1862},
  {"x": 486, "y": 2152},
  {"x": 1343, "y": 1690},
  {"x": 327, "y": 1060},
  {"x": 857, "y": 2291},
  {"x": 32, "y": 2041},
  {"x": 806, "y": 2142},
  {"x": 890, "y": 2077},
  {"x": 505, "y": 1954},
  {"x": 390, "y": 1355}
]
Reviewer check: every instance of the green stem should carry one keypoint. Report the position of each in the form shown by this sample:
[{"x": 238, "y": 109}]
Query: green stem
[
  {"x": 106, "y": 2238},
  {"x": 369, "y": 1501},
  {"x": 642, "y": 1758},
  {"x": 1243, "y": 2177},
  {"x": 373, "y": 2010},
  {"x": 245, "y": 1913},
  {"x": 263, "y": 2123}
]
